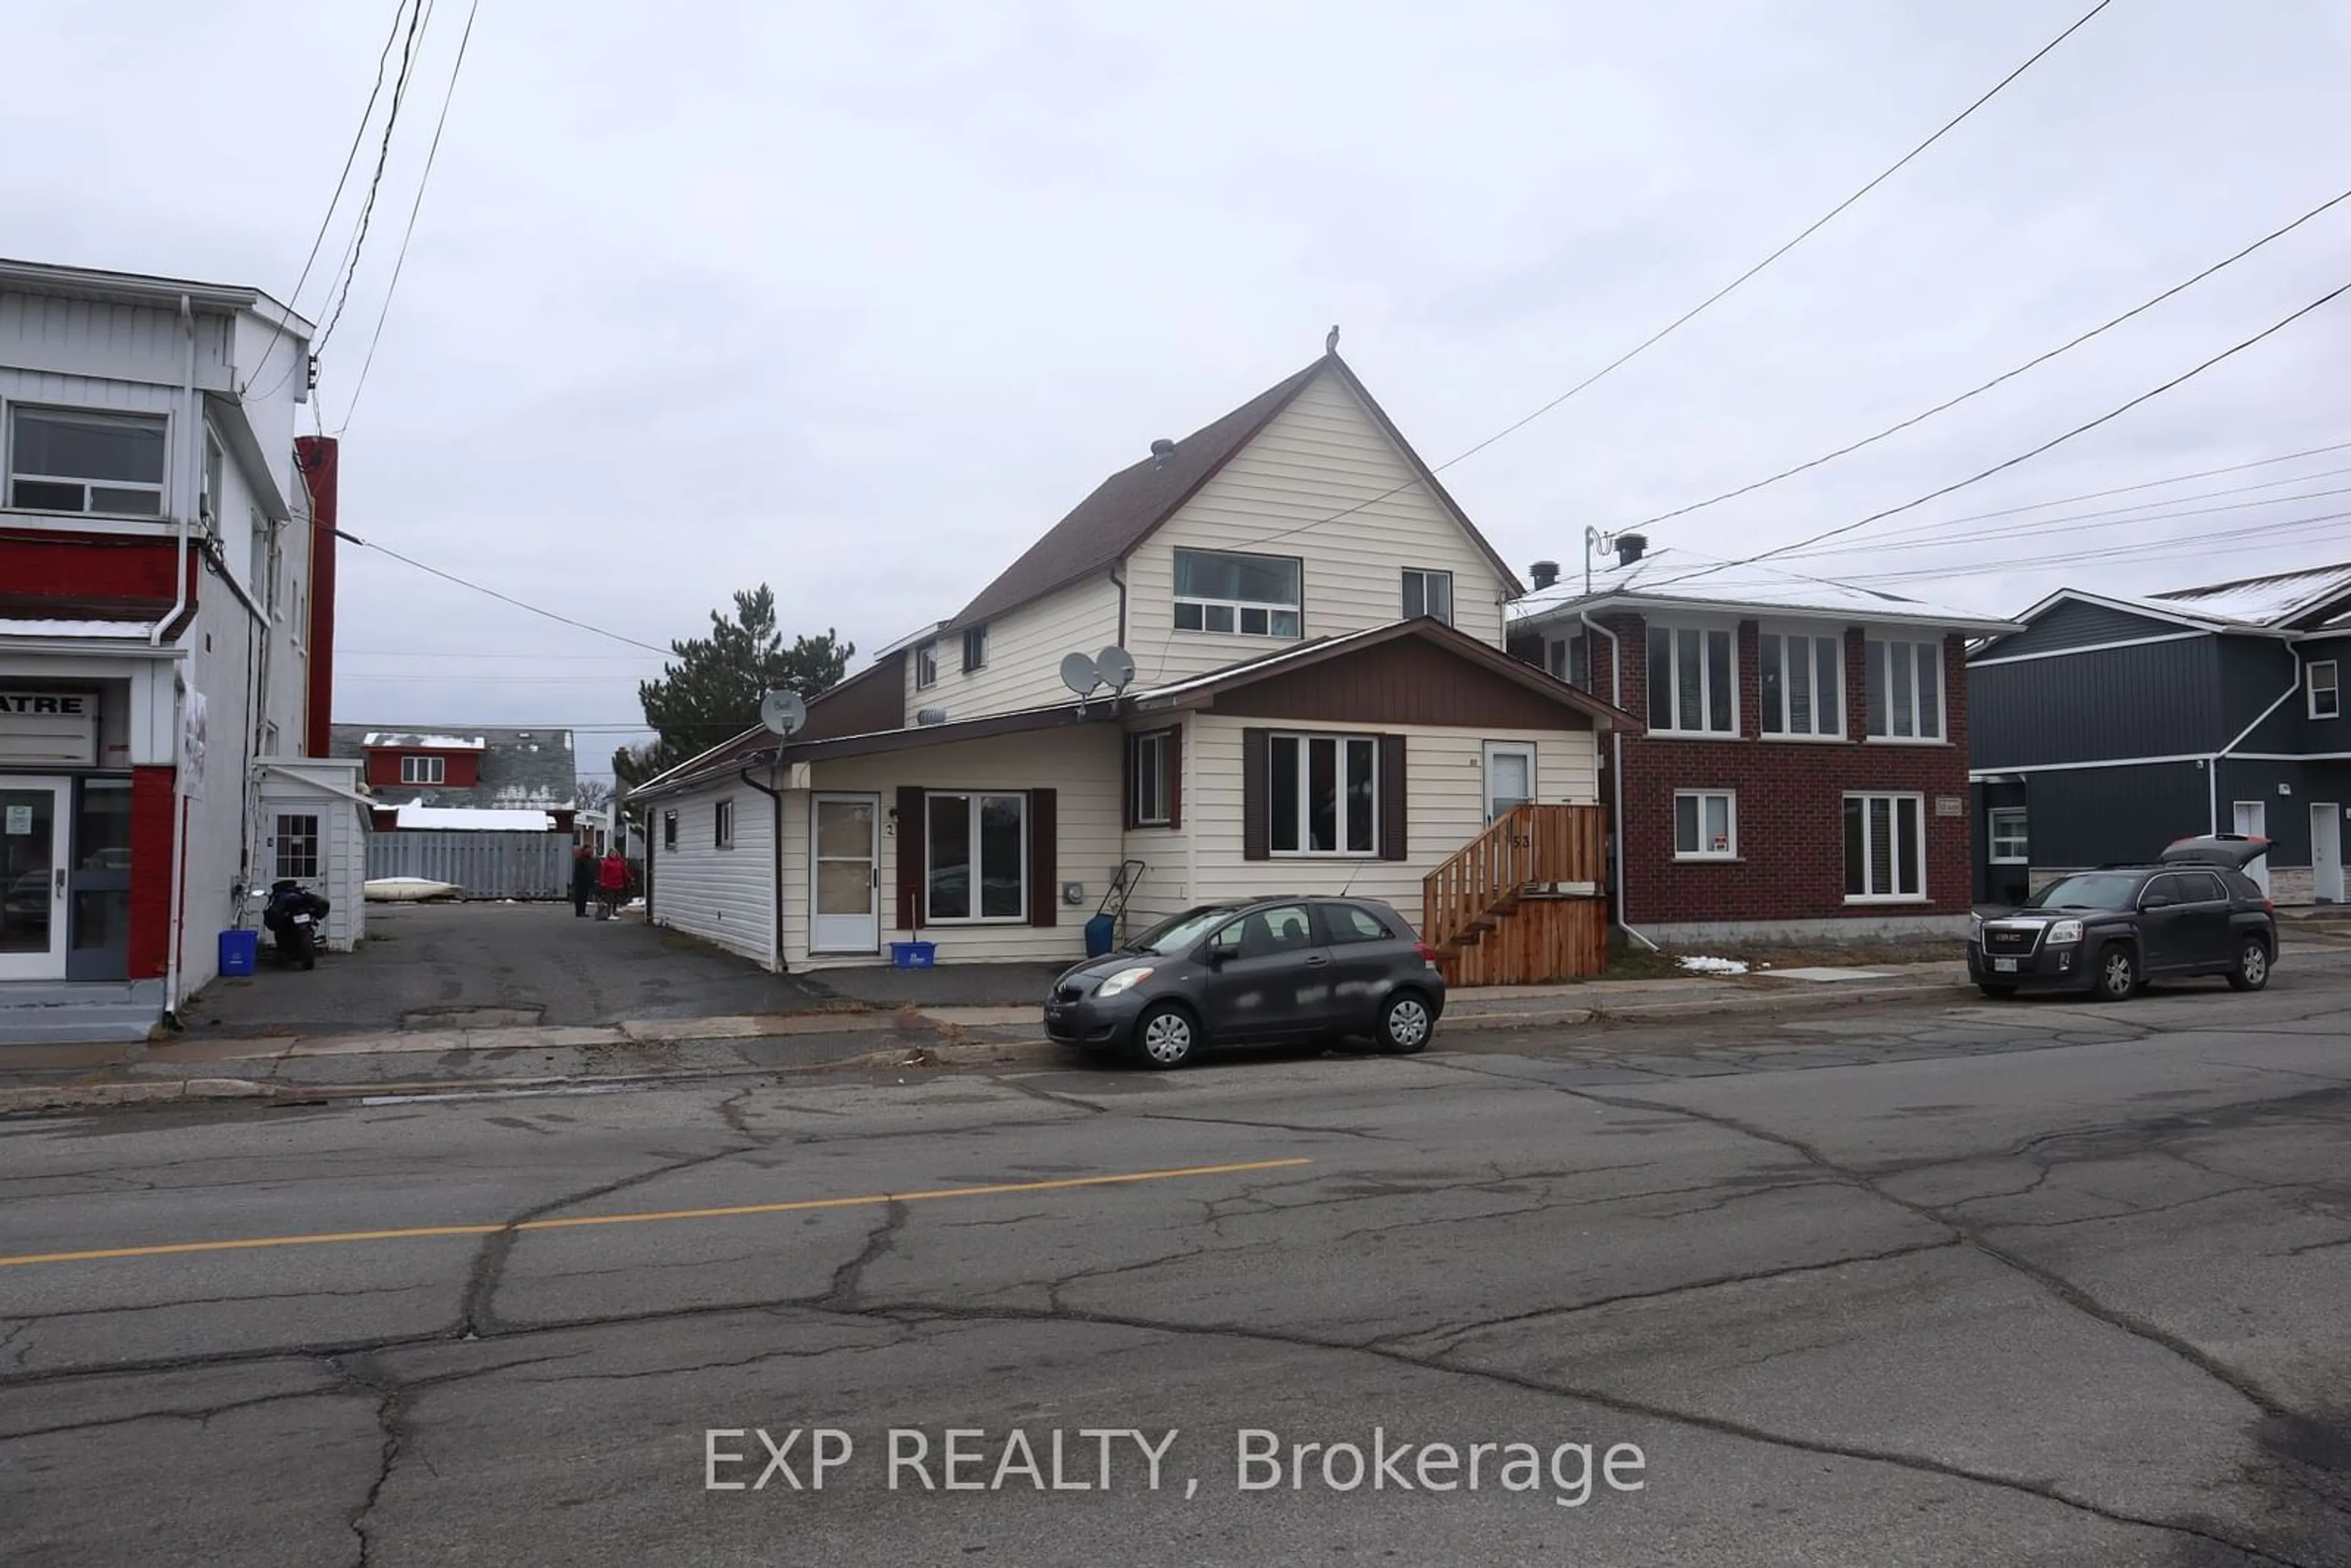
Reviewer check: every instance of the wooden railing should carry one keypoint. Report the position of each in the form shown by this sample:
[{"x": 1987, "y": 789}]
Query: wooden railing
[{"x": 1531, "y": 848}]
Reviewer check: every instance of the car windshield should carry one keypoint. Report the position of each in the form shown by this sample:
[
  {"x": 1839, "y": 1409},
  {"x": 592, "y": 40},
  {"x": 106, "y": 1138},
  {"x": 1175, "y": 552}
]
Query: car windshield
[
  {"x": 1181, "y": 933},
  {"x": 2088, "y": 890}
]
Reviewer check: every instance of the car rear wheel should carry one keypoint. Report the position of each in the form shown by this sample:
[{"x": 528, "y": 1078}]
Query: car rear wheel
[
  {"x": 2117, "y": 973},
  {"x": 1997, "y": 993},
  {"x": 1165, "y": 1037},
  {"x": 1406, "y": 1024},
  {"x": 2252, "y": 970}
]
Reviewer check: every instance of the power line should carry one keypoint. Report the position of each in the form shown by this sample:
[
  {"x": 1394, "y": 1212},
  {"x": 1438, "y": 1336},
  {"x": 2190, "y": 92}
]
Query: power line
[
  {"x": 504, "y": 598},
  {"x": 358, "y": 135},
  {"x": 2037, "y": 359},
  {"x": 2002, "y": 466},
  {"x": 2148, "y": 550},
  {"x": 2082, "y": 523},
  {"x": 410, "y": 232},
  {"x": 375, "y": 182}
]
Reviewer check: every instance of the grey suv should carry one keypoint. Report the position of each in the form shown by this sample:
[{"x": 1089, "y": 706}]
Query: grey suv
[{"x": 1265, "y": 970}]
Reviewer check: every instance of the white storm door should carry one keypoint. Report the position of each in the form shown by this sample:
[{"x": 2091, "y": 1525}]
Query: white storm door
[
  {"x": 844, "y": 881},
  {"x": 2326, "y": 851},
  {"x": 33, "y": 862},
  {"x": 1510, "y": 777}
]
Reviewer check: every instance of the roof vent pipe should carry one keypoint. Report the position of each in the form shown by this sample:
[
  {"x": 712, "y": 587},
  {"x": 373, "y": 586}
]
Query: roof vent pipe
[
  {"x": 1630, "y": 548},
  {"x": 1161, "y": 450},
  {"x": 1544, "y": 572}
]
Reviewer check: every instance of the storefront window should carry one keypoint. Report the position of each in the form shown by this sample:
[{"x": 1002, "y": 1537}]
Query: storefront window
[{"x": 102, "y": 858}]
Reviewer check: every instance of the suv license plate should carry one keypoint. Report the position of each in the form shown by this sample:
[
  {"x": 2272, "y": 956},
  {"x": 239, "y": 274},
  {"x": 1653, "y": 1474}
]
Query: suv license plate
[
  {"x": 301, "y": 920},
  {"x": 2004, "y": 965}
]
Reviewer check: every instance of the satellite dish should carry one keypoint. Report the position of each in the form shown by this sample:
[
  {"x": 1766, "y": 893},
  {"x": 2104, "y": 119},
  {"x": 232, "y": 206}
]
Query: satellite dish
[
  {"x": 1077, "y": 673},
  {"x": 1116, "y": 667},
  {"x": 782, "y": 711}
]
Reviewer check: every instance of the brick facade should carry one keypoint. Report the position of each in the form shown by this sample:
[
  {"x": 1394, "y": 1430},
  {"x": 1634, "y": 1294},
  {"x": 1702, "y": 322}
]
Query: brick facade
[{"x": 1790, "y": 799}]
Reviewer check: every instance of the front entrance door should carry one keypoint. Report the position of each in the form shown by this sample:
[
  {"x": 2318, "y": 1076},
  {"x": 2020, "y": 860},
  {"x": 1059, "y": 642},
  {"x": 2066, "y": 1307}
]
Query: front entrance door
[
  {"x": 2253, "y": 819},
  {"x": 1510, "y": 777},
  {"x": 2326, "y": 851},
  {"x": 33, "y": 859},
  {"x": 844, "y": 883}
]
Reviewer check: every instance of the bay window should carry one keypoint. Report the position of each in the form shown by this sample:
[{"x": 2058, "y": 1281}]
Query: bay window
[
  {"x": 976, "y": 850},
  {"x": 1906, "y": 689},
  {"x": 1803, "y": 683},
  {"x": 1254, "y": 595},
  {"x": 1885, "y": 848},
  {"x": 1323, "y": 795},
  {"x": 1692, "y": 681}
]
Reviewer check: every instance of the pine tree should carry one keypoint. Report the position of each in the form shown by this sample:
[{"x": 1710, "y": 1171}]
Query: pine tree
[{"x": 712, "y": 689}]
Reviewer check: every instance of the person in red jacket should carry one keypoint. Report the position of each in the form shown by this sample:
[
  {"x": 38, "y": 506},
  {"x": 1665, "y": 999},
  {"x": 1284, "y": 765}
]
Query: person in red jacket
[{"x": 611, "y": 881}]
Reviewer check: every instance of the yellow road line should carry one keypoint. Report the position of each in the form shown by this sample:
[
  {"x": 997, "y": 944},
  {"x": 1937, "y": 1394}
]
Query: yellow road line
[{"x": 735, "y": 1211}]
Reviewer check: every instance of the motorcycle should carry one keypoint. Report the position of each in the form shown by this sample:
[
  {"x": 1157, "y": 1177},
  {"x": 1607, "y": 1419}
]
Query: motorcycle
[{"x": 293, "y": 918}]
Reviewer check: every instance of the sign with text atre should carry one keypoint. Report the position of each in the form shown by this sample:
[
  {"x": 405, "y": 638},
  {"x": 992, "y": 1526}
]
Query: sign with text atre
[{"x": 48, "y": 729}]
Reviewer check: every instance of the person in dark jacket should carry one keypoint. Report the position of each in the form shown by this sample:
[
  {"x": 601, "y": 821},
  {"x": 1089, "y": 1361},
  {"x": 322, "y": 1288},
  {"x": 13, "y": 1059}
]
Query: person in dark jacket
[{"x": 583, "y": 881}]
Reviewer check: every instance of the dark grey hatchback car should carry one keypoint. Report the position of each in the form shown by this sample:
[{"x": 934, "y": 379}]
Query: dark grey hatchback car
[{"x": 1262, "y": 971}]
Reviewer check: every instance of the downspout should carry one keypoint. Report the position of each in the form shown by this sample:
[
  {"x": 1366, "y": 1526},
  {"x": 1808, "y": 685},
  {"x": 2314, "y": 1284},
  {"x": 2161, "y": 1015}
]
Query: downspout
[
  {"x": 1616, "y": 771},
  {"x": 775, "y": 864},
  {"x": 155, "y": 640},
  {"x": 1118, "y": 581},
  {"x": 2213, "y": 782}
]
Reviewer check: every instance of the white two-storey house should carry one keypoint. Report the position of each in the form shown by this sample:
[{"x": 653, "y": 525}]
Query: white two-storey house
[{"x": 1319, "y": 700}]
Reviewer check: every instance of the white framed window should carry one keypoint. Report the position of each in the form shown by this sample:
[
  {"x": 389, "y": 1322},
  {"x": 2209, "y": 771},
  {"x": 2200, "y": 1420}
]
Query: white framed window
[
  {"x": 974, "y": 648},
  {"x": 1568, "y": 659},
  {"x": 976, "y": 850},
  {"x": 1323, "y": 795},
  {"x": 1885, "y": 848},
  {"x": 297, "y": 847},
  {"x": 1693, "y": 681},
  {"x": 1803, "y": 679},
  {"x": 1428, "y": 592},
  {"x": 1152, "y": 754},
  {"x": 85, "y": 460},
  {"x": 423, "y": 770},
  {"x": 669, "y": 830},
  {"x": 2004, "y": 830},
  {"x": 927, "y": 665},
  {"x": 1906, "y": 689},
  {"x": 721, "y": 825},
  {"x": 2325, "y": 690},
  {"x": 208, "y": 503},
  {"x": 1253, "y": 595},
  {"x": 1706, "y": 825}
]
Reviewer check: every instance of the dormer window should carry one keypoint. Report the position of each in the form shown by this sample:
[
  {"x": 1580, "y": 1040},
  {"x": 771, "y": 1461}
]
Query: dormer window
[
  {"x": 423, "y": 770},
  {"x": 1250, "y": 595},
  {"x": 927, "y": 665}
]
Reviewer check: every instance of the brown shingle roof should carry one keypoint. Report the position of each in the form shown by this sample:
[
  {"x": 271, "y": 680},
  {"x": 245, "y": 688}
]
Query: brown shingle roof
[{"x": 1125, "y": 507}]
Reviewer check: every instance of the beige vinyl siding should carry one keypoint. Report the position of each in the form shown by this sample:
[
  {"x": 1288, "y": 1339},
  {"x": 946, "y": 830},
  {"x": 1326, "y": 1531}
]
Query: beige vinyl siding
[
  {"x": 1322, "y": 455},
  {"x": 1445, "y": 808},
  {"x": 1081, "y": 765},
  {"x": 724, "y": 896},
  {"x": 1025, "y": 650}
]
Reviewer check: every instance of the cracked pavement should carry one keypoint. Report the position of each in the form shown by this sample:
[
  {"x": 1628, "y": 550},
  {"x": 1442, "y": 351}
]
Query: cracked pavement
[{"x": 1932, "y": 1285}]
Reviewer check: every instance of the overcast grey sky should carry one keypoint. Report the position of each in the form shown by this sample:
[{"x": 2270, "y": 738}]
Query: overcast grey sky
[{"x": 858, "y": 300}]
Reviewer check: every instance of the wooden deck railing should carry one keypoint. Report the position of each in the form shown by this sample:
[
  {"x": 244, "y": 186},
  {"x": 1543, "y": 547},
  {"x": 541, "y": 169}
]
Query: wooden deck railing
[{"x": 1533, "y": 846}]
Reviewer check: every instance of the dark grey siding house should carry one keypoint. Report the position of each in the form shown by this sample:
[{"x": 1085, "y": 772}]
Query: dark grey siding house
[{"x": 2109, "y": 727}]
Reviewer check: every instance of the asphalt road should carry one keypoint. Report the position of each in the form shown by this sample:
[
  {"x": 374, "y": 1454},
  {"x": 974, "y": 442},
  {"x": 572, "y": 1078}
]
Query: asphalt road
[{"x": 2015, "y": 1285}]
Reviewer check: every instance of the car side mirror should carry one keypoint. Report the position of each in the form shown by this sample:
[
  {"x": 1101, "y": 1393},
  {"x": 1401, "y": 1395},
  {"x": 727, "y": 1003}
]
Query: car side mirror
[
  {"x": 1220, "y": 951},
  {"x": 2154, "y": 900}
]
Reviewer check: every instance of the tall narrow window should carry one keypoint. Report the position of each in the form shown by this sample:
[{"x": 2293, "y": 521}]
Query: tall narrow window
[
  {"x": 927, "y": 665},
  {"x": 1906, "y": 690},
  {"x": 2325, "y": 690},
  {"x": 1885, "y": 848},
  {"x": 1693, "y": 675},
  {"x": 1803, "y": 683},
  {"x": 1150, "y": 758}
]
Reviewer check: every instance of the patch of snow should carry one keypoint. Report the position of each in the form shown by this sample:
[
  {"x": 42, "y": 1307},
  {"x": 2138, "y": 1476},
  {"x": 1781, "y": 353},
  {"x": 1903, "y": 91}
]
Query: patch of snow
[
  {"x": 2259, "y": 600},
  {"x": 35, "y": 628},
  {"x": 400, "y": 740},
  {"x": 1699, "y": 964},
  {"x": 636, "y": 904},
  {"x": 474, "y": 819}
]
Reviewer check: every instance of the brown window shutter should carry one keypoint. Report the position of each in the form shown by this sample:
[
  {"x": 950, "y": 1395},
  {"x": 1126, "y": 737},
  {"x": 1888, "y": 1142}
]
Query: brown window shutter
[
  {"x": 910, "y": 857},
  {"x": 1391, "y": 798},
  {"x": 1176, "y": 777},
  {"x": 1127, "y": 778},
  {"x": 1256, "y": 764},
  {"x": 1044, "y": 857}
]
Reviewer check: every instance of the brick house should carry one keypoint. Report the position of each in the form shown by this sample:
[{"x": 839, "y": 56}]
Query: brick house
[{"x": 1803, "y": 770}]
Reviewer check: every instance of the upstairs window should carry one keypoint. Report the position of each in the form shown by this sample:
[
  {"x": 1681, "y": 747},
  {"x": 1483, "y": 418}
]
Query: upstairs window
[
  {"x": 423, "y": 770},
  {"x": 927, "y": 665},
  {"x": 2326, "y": 691},
  {"x": 107, "y": 465},
  {"x": 669, "y": 830},
  {"x": 1568, "y": 659},
  {"x": 1427, "y": 593},
  {"x": 1693, "y": 682},
  {"x": 1804, "y": 684},
  {"x": 1906, "y": 690},
  {"x": 974, "y": 648},
  {"x": 1253, "y": 595}
]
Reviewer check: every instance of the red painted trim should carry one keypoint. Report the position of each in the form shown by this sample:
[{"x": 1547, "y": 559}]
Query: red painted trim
[
  {"x": 320, "y": 457},
  {"x": 151, "y": 806},
  {"x": 129, "y": 576}
]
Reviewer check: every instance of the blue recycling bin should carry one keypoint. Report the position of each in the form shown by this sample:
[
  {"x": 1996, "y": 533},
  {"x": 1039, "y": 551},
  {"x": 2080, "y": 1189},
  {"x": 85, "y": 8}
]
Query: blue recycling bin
[
  {"x": 1102, "y": 931},
  {"x": 239, "y": 952}
]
